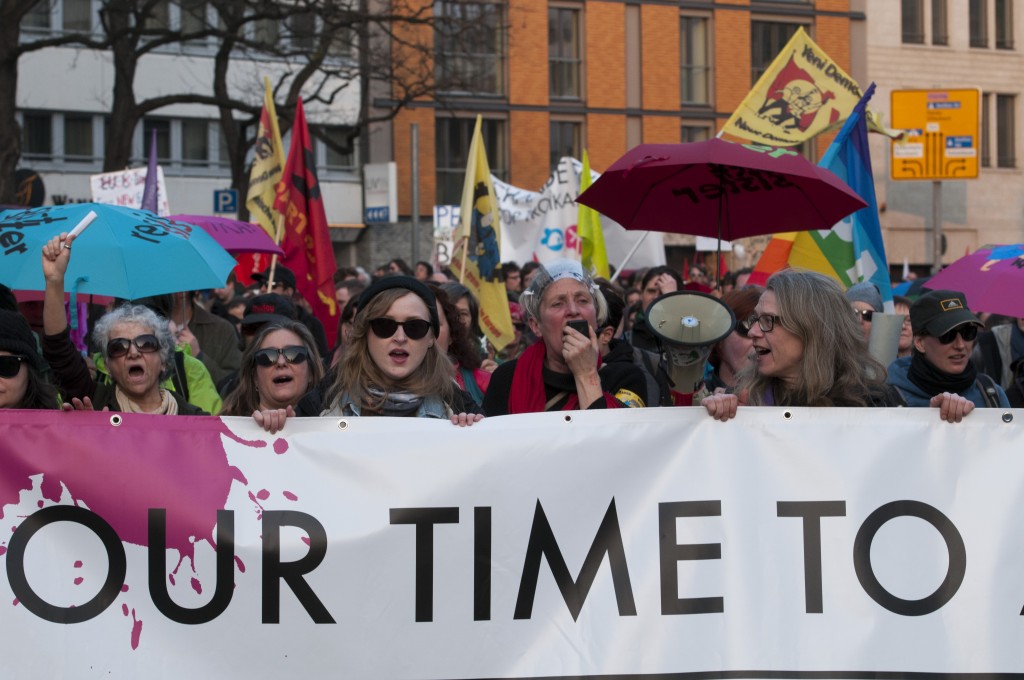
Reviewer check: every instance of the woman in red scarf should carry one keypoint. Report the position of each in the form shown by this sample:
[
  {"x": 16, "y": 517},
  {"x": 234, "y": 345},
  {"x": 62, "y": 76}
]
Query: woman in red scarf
[{"x": 563, "y": 370}]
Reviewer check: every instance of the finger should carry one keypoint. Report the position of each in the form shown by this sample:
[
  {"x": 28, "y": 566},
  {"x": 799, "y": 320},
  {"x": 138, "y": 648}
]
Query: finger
[{"x": 66, "y": 407}]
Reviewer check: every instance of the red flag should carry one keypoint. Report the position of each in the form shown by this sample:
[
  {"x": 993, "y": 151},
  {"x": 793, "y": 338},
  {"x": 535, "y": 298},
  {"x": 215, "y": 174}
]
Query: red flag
[{"x": 306, "y": 243}]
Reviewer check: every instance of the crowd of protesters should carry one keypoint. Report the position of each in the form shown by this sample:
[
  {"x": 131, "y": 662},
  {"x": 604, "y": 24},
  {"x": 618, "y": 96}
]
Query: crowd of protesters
[{"x": 409, "y": 343}]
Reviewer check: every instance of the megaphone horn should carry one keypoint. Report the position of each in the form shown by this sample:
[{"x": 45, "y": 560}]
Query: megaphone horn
[{"x": 688, "y": 324}]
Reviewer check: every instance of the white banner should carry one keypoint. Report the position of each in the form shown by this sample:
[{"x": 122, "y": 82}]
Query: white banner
[
  {"x": 125, "y": 188},
  {"x": 813, "y": 543}
]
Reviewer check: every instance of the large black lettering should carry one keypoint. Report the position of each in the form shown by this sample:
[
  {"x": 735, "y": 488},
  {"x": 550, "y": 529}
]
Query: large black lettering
[
  {"x": 481, "y": 564},
  {"x": 158, "y": 570},
  {"x": 275, "y": 571},
  {"x": 543, "y": 544},
  {"x": 670, "y": 553},
  {"x": 424, "y": 520},
  {"x": 812, "y": 512},
  {"x": 954, "y": 547},
  {"x": 117, "y": 564}
]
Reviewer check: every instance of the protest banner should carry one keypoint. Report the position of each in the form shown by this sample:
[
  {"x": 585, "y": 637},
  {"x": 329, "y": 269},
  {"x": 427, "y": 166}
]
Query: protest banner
[
  {"x": 810, "y": 543},
  {"x": 125, "y": 188}
]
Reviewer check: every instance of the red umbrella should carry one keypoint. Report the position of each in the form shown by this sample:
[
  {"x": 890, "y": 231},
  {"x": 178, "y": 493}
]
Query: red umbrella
[
  {"x": 992, "y": 279},
  {"x": 721, "y": 190},
  {"x": 233, "y": 236}
]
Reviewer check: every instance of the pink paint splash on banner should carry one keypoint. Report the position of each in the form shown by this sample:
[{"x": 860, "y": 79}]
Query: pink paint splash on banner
[{"x": 120, "y": 472}]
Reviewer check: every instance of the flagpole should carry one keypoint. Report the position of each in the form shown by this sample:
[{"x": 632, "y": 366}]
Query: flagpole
[
  {"x": 273, "y": 258},
  {"x": 629, "y": 255}
]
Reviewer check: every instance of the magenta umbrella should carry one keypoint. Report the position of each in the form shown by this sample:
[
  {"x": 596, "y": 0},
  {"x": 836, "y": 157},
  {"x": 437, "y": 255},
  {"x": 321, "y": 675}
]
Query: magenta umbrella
[
  {"x": 234, "y": 236},
  {"x": 991, "y": 278},
  {"x": 721, "y": 190}
]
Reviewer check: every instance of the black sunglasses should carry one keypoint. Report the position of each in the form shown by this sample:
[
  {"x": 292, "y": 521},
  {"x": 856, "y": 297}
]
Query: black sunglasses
[
  {"x": 118, "y": 347},
  {"x": 10, "y": 365},
  {"x": 293, "y": 354},
  {"x": 865, "y": 314},
  {"x": 968, "y": 333},
  {"x": 384, "y": 328}
]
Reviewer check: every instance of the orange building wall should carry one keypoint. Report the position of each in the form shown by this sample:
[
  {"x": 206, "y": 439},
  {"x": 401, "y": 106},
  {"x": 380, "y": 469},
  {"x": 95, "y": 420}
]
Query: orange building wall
[
  {"x": 659, "y": 35},
  {"x": 606, "y": 139},
  {"x": 528, "y": 52},
  {"x": 528, "y": 167},
  {"x": 605, "y": 51},
  {"x": 427, "y": 159}
]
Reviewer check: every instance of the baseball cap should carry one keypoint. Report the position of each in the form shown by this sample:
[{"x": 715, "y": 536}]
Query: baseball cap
[
  {"x": 282, "y": 275},
  {"x": 939, "y": 311},
  {"x": 266, "y": 308}
]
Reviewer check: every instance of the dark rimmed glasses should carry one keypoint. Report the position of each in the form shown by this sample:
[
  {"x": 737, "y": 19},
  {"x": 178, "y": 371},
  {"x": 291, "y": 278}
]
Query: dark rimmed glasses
[
  {"x": 865, "y": 314},
  {"x": 10, "y": 365},
  {"x": 766, "y": 322},
  {"x": 146, "y": 344},
  {"x": 293, "y": 354},
  {"x": 968, "y": 333},
  {"x": 384, "y": 328}
]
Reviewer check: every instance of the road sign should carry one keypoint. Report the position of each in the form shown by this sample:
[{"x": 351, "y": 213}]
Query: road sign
[
  {"x": 225, "y": 201},
  {"x": 943, "y": 134}
]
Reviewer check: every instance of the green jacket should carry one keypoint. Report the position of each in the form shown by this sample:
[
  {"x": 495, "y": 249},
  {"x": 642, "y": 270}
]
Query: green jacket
[{"x": 197, "y": 389}]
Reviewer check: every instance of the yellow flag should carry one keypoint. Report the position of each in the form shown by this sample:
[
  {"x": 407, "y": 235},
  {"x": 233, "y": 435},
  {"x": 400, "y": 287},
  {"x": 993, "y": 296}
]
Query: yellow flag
[
  {"x": 802, "y": 94},
  {"x": 477, "y": 255},
  {"x": 267, "y": 164},
  {"x": 588, "y": 227}
]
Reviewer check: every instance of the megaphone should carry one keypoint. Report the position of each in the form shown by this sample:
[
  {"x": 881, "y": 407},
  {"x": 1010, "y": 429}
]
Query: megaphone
[{"x": 688, "y": 324}]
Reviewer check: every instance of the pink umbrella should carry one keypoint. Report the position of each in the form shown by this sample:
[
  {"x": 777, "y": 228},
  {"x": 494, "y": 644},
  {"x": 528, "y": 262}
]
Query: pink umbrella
[
  {"x": 991, "y": 278},
  {"x": 233, "y": 235}
]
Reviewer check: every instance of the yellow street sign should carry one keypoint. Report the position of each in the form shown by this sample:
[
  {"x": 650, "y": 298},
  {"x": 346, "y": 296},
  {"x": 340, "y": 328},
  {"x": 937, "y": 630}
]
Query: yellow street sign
[{"x": 943, "y": 134}]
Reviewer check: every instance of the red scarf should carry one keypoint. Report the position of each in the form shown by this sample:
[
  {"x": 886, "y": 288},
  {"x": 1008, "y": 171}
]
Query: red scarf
[{"x": 528, "y": 394}]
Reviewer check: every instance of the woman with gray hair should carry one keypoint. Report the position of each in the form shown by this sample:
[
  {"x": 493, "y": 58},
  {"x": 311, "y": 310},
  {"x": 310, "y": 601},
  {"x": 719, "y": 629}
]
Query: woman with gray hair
[
  {"x": 135, "y": 342},
  {"x": 808, "y": 350},
  {"x": 563, "y": 370}
]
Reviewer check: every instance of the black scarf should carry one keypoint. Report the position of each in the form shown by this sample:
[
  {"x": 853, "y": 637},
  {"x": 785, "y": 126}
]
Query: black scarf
[{"x": 932, "y": 380}]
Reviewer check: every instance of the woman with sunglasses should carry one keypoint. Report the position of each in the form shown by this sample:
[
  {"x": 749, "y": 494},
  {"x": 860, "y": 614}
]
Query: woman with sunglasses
[
  {"x": 393, "y": 365},
  {"x": 278, "y": 368},
  {"x": 939, "y": 371},
  {"x": 808, "y": 350},
  {"x": 21, "y": 381},
  {"x": 135, "y": 342}
]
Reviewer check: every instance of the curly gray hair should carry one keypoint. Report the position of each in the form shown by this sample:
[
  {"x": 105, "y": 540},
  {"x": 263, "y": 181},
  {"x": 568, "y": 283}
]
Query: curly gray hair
[{"x": 144, "y": 316}]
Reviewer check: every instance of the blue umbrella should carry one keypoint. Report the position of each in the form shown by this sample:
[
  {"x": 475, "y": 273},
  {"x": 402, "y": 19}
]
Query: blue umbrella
[{"x": 125, "y": 252}]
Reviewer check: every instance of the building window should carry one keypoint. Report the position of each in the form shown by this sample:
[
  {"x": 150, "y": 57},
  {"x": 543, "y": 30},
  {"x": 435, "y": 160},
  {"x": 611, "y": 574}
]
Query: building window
[
  {"x": 37, "y": 19},
  {"x": 691, "y": 132},
  {"x": 77, "y": 16},
  {"x": 195, "y": 142},
  {"x": 470, "y": 47},
  {"x": 78, "y": 146},
  {"x": 158, "y": 17},
  {"x": 565, "y": 62},
  {"x": 339, "y": 147},
  {"x": 1006, "y": 137},
  {"x": 767, "y": 38},
  {"x": 978, "y": 22},
  {"x": 37, "y": 136},
  {"x": 302, "y": 27},
  {"x": 940, "y": 23},
  {"x": 694, "y": 61},
  {"x": 912, "y": 21},
  {"x": 566, "y": 140},
  {"x": 1004, "y": 25},
  {"x": 452, "y": 139},
  {"x": 986, "y": 132},
  {"x": 163, "y": 139}
]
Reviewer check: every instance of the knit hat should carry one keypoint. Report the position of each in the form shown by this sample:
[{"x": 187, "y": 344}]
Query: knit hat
[
  {"x": 409, "y": 283},
  {"x": 16, "y": 337},
  {"x": 939, "y": 311},
  {"x": 867, "y": 292}
]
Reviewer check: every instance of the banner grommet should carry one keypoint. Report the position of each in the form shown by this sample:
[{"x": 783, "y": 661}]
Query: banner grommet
[
  {"x": 1007, "y": 417},
  {"x": 116, "y": 420}
]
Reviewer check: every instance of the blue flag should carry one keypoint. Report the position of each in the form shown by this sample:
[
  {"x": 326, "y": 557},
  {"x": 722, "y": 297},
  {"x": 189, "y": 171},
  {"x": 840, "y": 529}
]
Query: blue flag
[{"x": 849, "y": 157}]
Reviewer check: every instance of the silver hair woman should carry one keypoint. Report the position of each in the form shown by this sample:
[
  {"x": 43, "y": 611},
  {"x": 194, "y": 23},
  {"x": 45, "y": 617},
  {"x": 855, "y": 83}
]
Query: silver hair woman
[
  {"x": 808, "y": 350},
  {"x": 135, "y": 342}
]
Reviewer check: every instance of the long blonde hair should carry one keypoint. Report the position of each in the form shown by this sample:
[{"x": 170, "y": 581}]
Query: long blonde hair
[
  {"x": 356, "y": 373},
  {"x": 836, "y": 368}
]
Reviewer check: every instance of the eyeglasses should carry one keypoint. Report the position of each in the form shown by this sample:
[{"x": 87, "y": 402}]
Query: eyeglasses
[
  {"x": 384, "y": 328},
  {"x": 766, "y": 322},
  {"x": 118, "y": 347},
  {"x": 865, "y": 314},
  {"x": 10, "y": 365},
  {"x": 968, "y": 333},
  {"x": 293, "y": 354}
]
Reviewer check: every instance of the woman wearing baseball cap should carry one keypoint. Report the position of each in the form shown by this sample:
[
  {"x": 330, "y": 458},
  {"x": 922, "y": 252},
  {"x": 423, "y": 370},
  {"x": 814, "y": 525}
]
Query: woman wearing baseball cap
[{"x": 939, "y": 371}]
